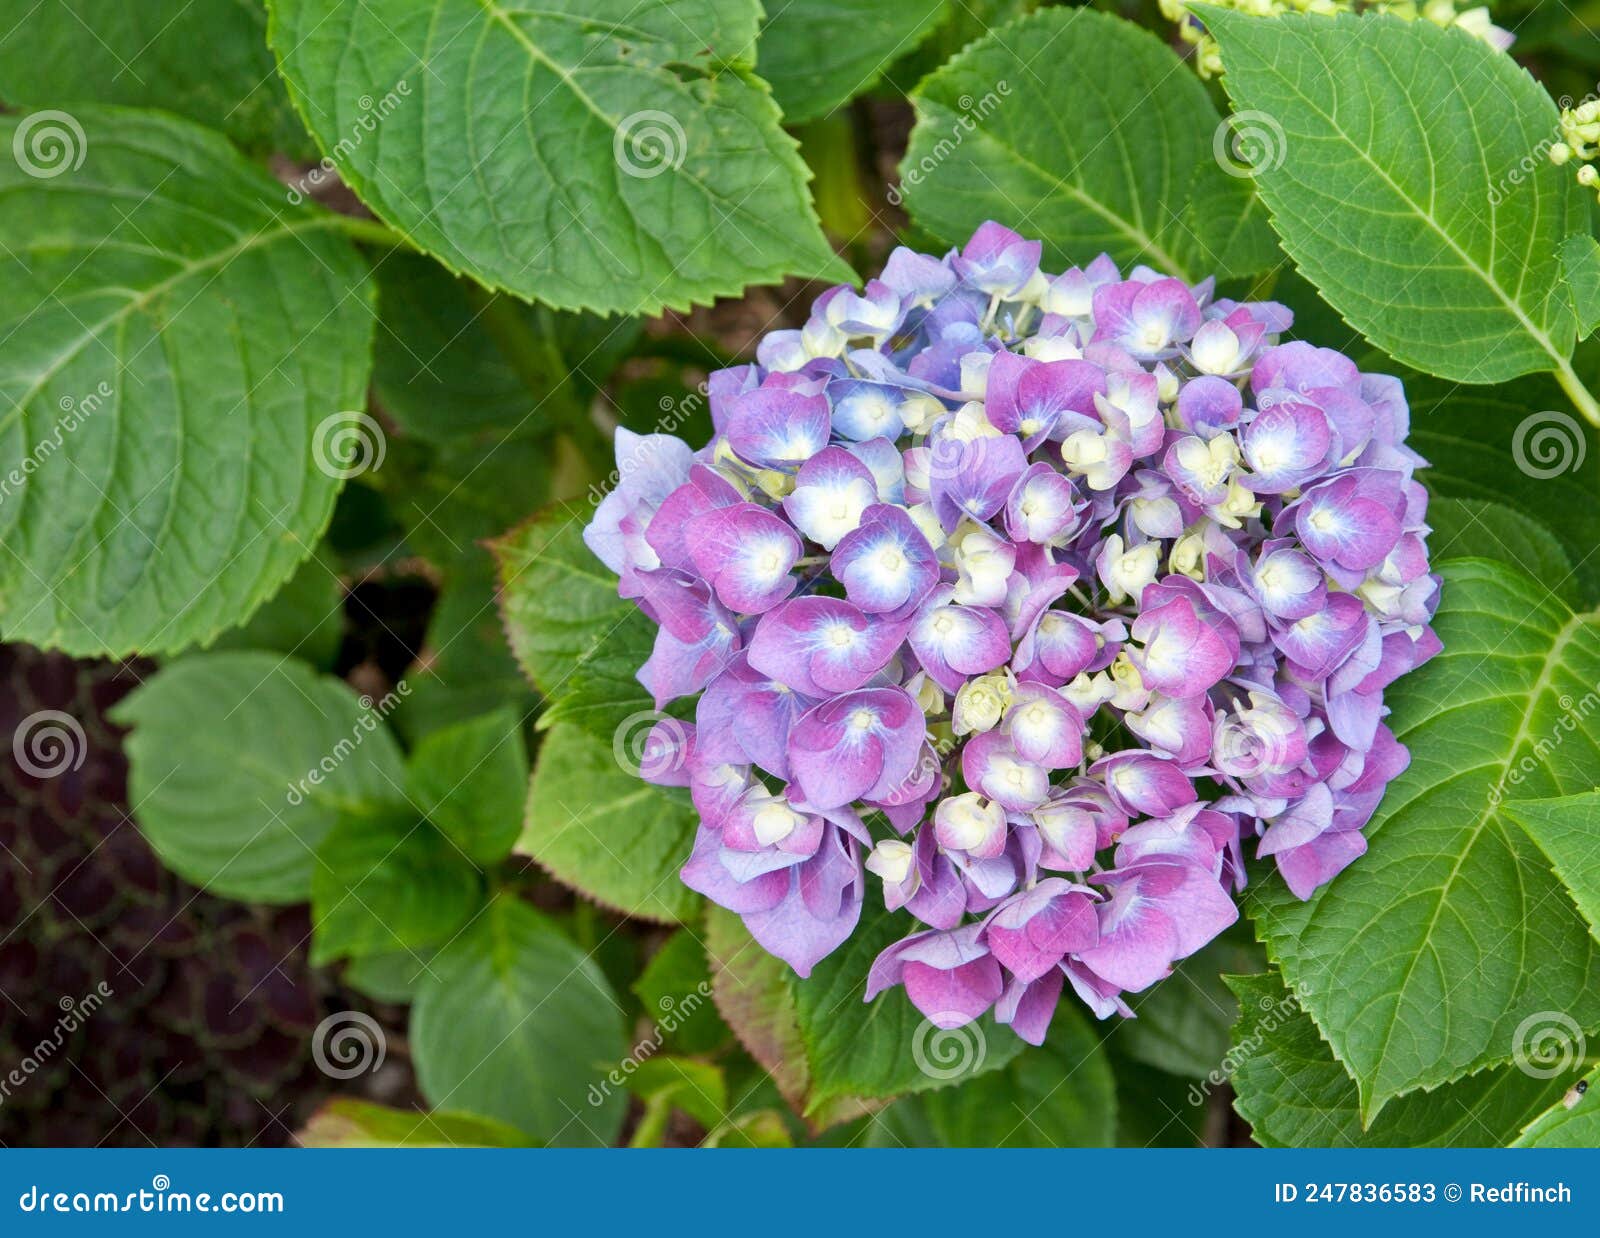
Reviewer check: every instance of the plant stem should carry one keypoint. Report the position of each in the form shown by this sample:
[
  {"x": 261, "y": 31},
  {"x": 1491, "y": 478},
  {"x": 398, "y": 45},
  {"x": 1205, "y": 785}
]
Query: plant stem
[
  {"x": 652, "y": 1127},
  {"x": 1582, "y": 398},
  {"x": 370, "y": 231}
]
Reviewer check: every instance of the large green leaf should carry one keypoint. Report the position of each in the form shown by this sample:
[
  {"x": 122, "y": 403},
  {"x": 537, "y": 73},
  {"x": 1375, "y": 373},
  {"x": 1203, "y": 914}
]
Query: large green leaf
[
  {"x": 1403, "y": 213},
  {"x": 386, "y": 883},
  {"x": 1568, "y": 829},
  {"x": 818, "y": 54},
  {"x": 596, "y": 154},
  {"x": 1026, "y": 127},
  {"x": 240, "y": 763},
  {"x": 470, "y": 780},
  {"x": 182, "y": 351},
  {"x": 1181, "y": 1025},
  {"x": 600, "y": 828},
  {"x": 1514, "y": 444},
  {"x": 1294, "y": 1094},
  {"x": 144, "y": 55},
  {"x": 515, "y": 1023},
  {"x": 1059, "y": 1095},
  {"x": 885, "y": 1047},
  {"x": 1420, "y": 961}
]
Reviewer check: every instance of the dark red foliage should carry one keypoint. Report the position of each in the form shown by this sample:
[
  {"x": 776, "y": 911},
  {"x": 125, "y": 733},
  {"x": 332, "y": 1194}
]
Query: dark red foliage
[{"x": 206, "y": 1035}]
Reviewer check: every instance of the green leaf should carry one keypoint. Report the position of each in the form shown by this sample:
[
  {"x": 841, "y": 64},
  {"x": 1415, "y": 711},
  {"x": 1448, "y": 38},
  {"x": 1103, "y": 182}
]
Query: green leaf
[
  {"x": 1294, "y": 1094},
  {"x": 388, "y": 977},
  {"x": 1420, "y": 960},
  {"x": 657, "y": 173},
  {"x": 1182, "y": 1024},
  {"x": 1511, "y": 444},
  {"x": 697, "y": 1088},
  {"x": 304, "y": 619},
  {"x": 515, "y": 1023},
  {"x": 883, "y": 1048},
  {"x": 579, "y": 643},
  {"x": 144, "y": 55},
  {"x": 1565, "y": 828},
  {"x": 1402, "y": 213},
  {"x": 1572, "y": 1123},
  {"x": 180, "y": 344},
  {"x": 1475, "y": 528},
  {"x": 240, "y": 763},
  {"x": 1580, "y": 267},
  {"x": 600, "y": 828},
  {"x": 1059, "y": 1095},
  {"x": 675, "y": 988},
  {"x": 442, "y": 376},
  {"x": 470, "y": 780},
  {"x": 820, "y": 54},
  {"x": 348, "y": 1123},
  {"x": 386, "y": 882},
  {"x": 1026, "y": 126},
  {"x": 1155, "y": 1109}
]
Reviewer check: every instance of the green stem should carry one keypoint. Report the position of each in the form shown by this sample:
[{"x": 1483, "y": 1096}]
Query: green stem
[
  {"x": 652, "y": 1128},
  {"x": 536, "y": 360},
  {"x": 369, "y": 231},
  {"x": 1582, "y": 398}
]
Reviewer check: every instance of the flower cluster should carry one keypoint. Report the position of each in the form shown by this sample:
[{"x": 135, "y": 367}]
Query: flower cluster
[
  {"x": 1476, "y": 21},
  {"x": 1038, "y": 598},
  {"x": 1580, "y": 141}
]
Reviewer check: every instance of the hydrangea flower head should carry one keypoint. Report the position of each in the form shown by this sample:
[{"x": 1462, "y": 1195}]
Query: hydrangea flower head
[{"x": 1033, "y": 605}]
